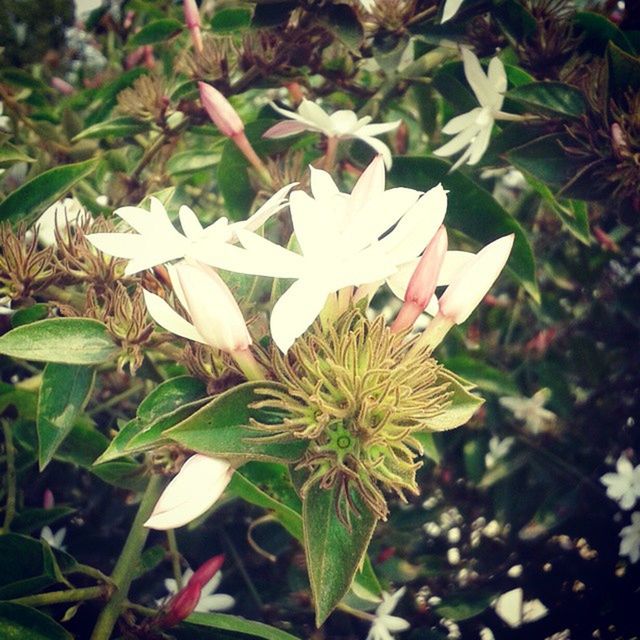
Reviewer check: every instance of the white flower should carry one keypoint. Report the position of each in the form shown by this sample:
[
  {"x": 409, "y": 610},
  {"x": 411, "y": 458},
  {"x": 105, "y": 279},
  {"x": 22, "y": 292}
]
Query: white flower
[
  {"x": 623, "y": 486},
  {"x": 384, "y": 624},
  {"x": 630, "y": 542},
  {"x": 451, "y": 7},
  {"x": 157, "y": 241},
  {"x": 497, "y": 449},
  {"x": 192, "y": 491},
  {"x": 531, "y": 410},
  {"x": 341, "y": 125},
  {"x": 515, "y": 611},
  {"x": 473, "y": 129},
  {"x": 4, "y": 120},
  {"x": 209, "y": 600},
  {"x": 54, "y": 540},
  {"x": 338, "y": 235},
  {"x": 217, "y": 319},
  {"x": 60, "y": 214}
]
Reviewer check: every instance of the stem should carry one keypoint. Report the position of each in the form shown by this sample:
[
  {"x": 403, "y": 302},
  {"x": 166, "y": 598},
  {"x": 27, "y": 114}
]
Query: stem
[
  {"x": 92, "y": 572},
  {"x": 68, "y": 595},
  {"x": 433, "y": 335},
  {"x": 242, "y": 142},
  {"x": 175, "y": 557},
  {"x": 330, "y": 155},
  {"x": 10, "y": 450},
  {"x": 248, "y": 365},
  {"x": 123, "y": 572},
  {"x": 114, "y": 400}
]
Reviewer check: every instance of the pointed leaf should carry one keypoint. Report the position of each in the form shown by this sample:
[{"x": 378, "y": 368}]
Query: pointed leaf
[
  {"x": 550, "y": 98},
  {"x": 226, "y": 622},
  {"x": 64, "y": 393},
  {"x": 120, "y": 127},
  {"x": 334, "y": 554},
  {"x": 64, "y": 340},
  {"x": 26, "y": 623},
  {"x": 34, "y": 196},
  {"x": 156, "y": 31}
]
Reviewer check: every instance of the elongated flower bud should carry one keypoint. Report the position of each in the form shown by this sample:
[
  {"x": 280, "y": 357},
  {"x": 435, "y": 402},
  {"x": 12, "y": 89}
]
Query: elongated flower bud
[
  {"x": 474, "y": 280},
  {"x": 207, "y": 570},
  {"x": 192, "y": 18},
  {"x": 423, "y": 282},
  {"x": 197, "y": 486},
  {"x": 214, "y": 312},
  {"x": 223, "y": 115}
]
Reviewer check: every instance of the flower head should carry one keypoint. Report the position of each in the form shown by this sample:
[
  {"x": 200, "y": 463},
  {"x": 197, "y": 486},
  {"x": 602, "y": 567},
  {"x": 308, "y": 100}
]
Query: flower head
[
  {"x": 384, "y": 624},
  {"x": 473, "y": 129},
  {"x": 54, "y": 540},
  {"x": 497, "y": 449},
  {"x": 342, "y": 124},
  {"x": 630, "y": 542},
  {"x": 531, "y": 410},
  {"x": 192, "y": 491},
  {"x": 624, "y": 485}
]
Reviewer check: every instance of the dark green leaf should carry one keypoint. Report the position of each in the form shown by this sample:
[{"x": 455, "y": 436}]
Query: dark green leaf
[
  {"x": 228, "y": 622},
  {"x": 29, "y": 520},
  {"x": 18, "y": 622},
  {"x": 187, "y": 162},
  {"x": 598, "y": 32},
  {"x": 552, "y": 98},
  {"x": 333, "y": 552},
  {"x": 221, "y": 428},
  {"x": 106, "y": 97},
  {"x": 231, "y": 20},
  {"x": 34, "y": 196},
  {"x": 64, "y": 393},
  {"x": 35, "y": 312},
  {"x": 429, "y": 445},
  {"x": 10, "y": 155},
  {"x": 157, "y": 31},
  {"x": 464, "y": 605},
  {"x": 514, "y": 20},
  {"x": 24, "y": 79},
  {"x": 64, "y": 340},
  {"x": 119, "y": 127},
  {"x": 624, "y": 74},
  {"x": 472, "y": 210},
  {"x": 482, "y": 375},
  {"x": 271, "y": 15}
]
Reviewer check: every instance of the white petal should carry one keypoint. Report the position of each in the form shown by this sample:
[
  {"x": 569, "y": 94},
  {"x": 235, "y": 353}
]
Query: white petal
[
  {"x": 122, "y": 245},
  {"x": 497, "y": 75},
  {"x": 322, "y": 184},
  {"x": 457, "y": 143},
  {"x": 508, "y": 607},
  {"x": 370, "y": 184},
  {"x": 197, "y": 486},
  {"x": 261, "y": 257},
  {"x": 314, "y": 114},
  {"x": 293, "y": 116},
  {"x": 269, "y": 208},
  {"x": 461, "y": 122},
  {"x": 395, "y": 623},
  {"x": 343, "y": 122},
  {"x": 390, "y": 602},
  {"x": 453, "y": 263},
  {"x": 450, "y": 9},
  {"x": 378, "y": 129},
  {"x": 313, "y": 233},
  {"x": 477, "y": 79},
  {"x": 379, "y": 146},
  {"x": 479, "y": 145},
  {"x": 189, "y": 223},
  {"x": 169, "y": 319},
  {"x": 217, "y": 602},
  {"x": 294, "y": 312}
]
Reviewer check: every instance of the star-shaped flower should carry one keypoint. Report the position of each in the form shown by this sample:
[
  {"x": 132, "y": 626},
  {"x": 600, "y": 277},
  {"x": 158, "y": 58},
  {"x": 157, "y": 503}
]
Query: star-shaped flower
[
  {"x": 497, "y": 449},
  {"x": 630, "y": 542},
  {"x": 54, "y": 540},
  {"x": 624, "y": 485},
  {"x": 384, "y": 624},
  {"x": 531, "y": 411},
  {"x": 473, "y": 129},
  {"x": 341, "y": 125}
]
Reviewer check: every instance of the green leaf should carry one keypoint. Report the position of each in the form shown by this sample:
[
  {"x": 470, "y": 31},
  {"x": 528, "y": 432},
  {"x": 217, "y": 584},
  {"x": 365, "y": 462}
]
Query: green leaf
[
  {"x": 550, "y": 98},
  {"x": 482, "y": 375},
  {"x": 106, "y": 97},
  {"x": 472, "y": 210},
  {"x": 10, "y": 155},
  {"x": 464, "y": 606},
  {"x": 623, "y": 72},
  {"x": 334, "y": 553},
  {"x": 515, "y": 21},
  {"x": 34, "y": 196},
  {"x": 598, "y": 32},
  {"x": 35, "y": 312},
  {"x": 18, "y": 622},
  {"x": 64, "y": 340},
  {"x": 227, "y": 622},
  {"x": 156, "y": 31},
  {"x": 119, "y": 127},
  {"x": 231, "y": 20},
  {"x": 428, "y": 443},
  {"x": 221, "y": 428},
  {"x": 187, "y": 162},
  {"x": 34, "y": 519},
  {"x": 64, "y": 393},
  {"x": 342, "y": 21},
  {"x": 463, "y": 403}
]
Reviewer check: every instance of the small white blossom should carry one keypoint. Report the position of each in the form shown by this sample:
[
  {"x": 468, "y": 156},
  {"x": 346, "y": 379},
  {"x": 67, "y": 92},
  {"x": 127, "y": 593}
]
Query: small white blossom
[
  {"x": 4, "y": 120},
  {"x": 450, "y": 9},
  {"x": 384, "y": 624},
  {"x": 209, "y": 600},
  {"x": 630, "y": 538},
  {"x": 67, "y": 212},
  {"x": 532, "y": 411},
  {"x": 54, "y": 540},
  {"x": 624, "y": 485},
  {"x": 341, "y": 125},
  {"x": 497, "y": 449},
  {"x": 515, "y": 611}
]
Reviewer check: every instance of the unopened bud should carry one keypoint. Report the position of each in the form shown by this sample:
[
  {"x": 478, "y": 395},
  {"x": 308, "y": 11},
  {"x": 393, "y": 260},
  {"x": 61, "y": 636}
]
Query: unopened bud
[
  {"x": 181, "y": 605},
  {"x": 192, "y": 18},
  {"x": 223, "y": 115}
]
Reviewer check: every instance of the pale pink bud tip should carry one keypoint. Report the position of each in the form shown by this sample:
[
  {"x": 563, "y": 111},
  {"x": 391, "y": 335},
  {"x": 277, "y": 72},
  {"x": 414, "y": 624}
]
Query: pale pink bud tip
[
  {"x": 223, "y": 115},
  {"x": 473, "y": 281},
  {"x": 207, "y": 570},
  {"x": 425, "y": 278},
  {"x": 191, "y": 13},
  {"x": 48, "y": 501}
]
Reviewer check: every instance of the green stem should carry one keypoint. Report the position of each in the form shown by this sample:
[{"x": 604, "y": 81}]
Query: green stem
[
  {"x": 114, "y": 400},
  {"x": 68, "y": 595},
  {"x": 175, "y": 557},
  {"x": 10, "y": 451},
  {"x": 123, "y": 572},
  {"x": 92, "y": 572},
  {"x": 248, "y": 365}
]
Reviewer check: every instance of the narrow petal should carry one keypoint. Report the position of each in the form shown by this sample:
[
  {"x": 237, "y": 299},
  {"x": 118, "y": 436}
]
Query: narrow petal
[
  {"x": 480, "y": 144},
  {"x": 215, "y": 602},
  {"x": 395, "y": 623},
  {"x": 189, "y": 222},
  {"x": 378, "y": 128},
  {"x": 261, "y": 258},
  {"x": 497, "y": 75},
  {"x": 450, "y": 9},
  {"x": 122, "y": 245},
  {"x": 457, "y": 143},
  {"x": 313, "y": 233},
  {"x": 461, "y": 122},
  {"x": 379, "y": 146},
  {"x": 285, "y": 129},
  {"x": 369, "y": 185},
  {"x": 294, "y": 312},
  {"x": 169, "y": 319},
  {"x": 454, "y": 262},
  {"x": 274, "y": 204},
  {"x": 316, "y": 115},
  {"x": 477, "y": 79},
  {"x": 343, "y": 122},
  {"x": 197, "y": 486},
  {"x": 322, "y": 184}
]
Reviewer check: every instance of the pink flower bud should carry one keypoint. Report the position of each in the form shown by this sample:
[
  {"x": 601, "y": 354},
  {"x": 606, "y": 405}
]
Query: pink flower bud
[
  {"x": 207, "y": 570},
  {"x": 48, "y": 501},
  {"x": 192, "y": 18},
  {"x": 223, "y": 115},
  {"x": 474, "y": 280},
  {"x": 423, "y": 282},
  {"x": 62, "y": 86}
]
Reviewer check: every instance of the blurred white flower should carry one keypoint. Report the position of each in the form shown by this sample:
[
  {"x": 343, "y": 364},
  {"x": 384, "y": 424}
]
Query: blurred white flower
[
  {"x": 158, "y": 241},
  {"x": 209, "y": 600},
  {"x": 473, "y": 129},
  {"x": 384, "y": 624},
  {"x": 451, "y": 7},
  {"x": 497, "y": 449},
  {"x": 537, "y": 419},
  {"x": 54, "y": 540},
  {"x": 624, "y": 485},
  {"x": 5, "y": 121},
  {"x": 191, "y": 492},
  {"x": 341, "y": 125},
  {"x": 630, "y": 542},
  {"x": 60, "y": 214},
  {"x": 515, "y": 611}
]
